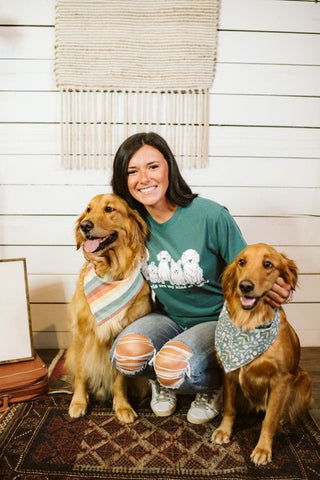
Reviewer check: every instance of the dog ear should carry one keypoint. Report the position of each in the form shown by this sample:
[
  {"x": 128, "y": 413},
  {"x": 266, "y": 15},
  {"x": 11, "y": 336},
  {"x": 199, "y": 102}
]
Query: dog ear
[
  {"x": 140, "y": 232},
  {"x": 77, "y": 234},
  {"x": 289, "y": 271},
  {"x": 229, "y": 279}
]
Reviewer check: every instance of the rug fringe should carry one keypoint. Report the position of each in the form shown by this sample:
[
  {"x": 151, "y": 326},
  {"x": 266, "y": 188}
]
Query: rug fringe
[{"x": 55, "y": 361}]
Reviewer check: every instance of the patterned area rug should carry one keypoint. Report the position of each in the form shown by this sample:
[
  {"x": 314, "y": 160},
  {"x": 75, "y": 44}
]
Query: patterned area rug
[{"x": 40, "y": 441}]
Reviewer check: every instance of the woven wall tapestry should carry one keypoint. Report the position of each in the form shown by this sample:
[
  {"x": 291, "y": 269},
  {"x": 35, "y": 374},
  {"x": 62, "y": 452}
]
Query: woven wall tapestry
[{"x": 125, "y": 66}]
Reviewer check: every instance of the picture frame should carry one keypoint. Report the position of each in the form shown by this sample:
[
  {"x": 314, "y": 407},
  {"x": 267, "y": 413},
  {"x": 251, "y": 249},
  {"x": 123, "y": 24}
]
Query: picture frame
[{"x": 16, "y": 342}]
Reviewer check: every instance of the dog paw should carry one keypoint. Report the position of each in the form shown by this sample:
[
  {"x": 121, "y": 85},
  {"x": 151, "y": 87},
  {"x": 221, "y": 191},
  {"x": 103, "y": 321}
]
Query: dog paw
[
  {"x": 261, "y": 456},
  {"x": 220, "y": 437},
  {"x": 126, "y": 415},
  {"x": 77, "y": 410}
]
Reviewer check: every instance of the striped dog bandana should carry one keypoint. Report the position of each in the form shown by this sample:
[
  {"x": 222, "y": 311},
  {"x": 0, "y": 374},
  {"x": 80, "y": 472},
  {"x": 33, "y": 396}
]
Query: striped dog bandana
[
  {"x": 237, "y": 347},
  {"x": 106, "y": 298}
]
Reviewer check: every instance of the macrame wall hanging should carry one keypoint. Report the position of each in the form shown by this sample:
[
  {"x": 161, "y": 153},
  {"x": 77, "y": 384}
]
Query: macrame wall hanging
[{"x": 125, "y": 66}]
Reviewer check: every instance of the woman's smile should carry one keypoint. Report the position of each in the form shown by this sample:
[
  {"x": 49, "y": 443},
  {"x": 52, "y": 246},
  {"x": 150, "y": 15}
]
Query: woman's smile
[{"x": 148, "y": 189}]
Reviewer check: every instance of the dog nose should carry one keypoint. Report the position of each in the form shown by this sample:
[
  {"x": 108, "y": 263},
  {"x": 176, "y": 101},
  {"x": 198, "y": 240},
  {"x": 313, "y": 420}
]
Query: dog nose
[
  {"x": 246, "y": 286},
  {"x": 86, "y": 226}
]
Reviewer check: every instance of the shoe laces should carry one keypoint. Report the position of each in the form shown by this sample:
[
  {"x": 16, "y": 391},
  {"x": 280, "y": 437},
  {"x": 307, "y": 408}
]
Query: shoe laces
[
  {"x": 164, "y": 395},
  {"x": 203, "y": 400}
]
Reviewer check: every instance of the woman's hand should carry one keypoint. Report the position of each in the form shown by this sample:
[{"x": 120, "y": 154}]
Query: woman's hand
[{"x": 279, "y": 293}]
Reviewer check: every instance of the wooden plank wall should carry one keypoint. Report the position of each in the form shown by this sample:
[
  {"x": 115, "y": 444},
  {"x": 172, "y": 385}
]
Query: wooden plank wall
[{"x": 264, "y": 150}]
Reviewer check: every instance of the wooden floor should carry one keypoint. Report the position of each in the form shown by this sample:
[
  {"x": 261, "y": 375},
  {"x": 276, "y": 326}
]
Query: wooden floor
[{"x": 310, "y": 361}]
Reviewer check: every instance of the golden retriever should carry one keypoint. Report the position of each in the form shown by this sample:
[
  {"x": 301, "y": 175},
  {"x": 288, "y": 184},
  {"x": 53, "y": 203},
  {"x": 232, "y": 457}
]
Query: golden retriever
[
  {"x": 273, "y": 381},
  {"x": 112, "y": 237}
]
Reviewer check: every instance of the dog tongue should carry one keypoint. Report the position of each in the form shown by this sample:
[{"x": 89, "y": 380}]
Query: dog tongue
[
  {"x": 91, "y": 246},
  {"x": 247, "y": 302}
]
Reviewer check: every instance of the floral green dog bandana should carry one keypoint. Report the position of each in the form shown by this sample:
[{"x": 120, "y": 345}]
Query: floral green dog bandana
[{"x": 237, "y": 347}]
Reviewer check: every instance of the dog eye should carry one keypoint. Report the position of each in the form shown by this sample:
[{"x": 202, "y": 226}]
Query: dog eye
[
  {"x": 88, "y": 210},
  {"x": 267, "y": 265},
  {"x": 108, "y": 209},
  {"x": 242, "y": 262}
]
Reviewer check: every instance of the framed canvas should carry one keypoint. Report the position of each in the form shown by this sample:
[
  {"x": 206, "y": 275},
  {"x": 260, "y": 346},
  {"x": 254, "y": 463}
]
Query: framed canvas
[{"x": 16, "y": 335}]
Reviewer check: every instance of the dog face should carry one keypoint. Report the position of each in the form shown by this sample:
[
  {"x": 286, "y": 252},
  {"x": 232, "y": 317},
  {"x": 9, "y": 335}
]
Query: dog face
[
  {"x": 107, "y": 223},
  {"x": 190, "y": 257},
  {"x": 164, "y": 257},
  {"x": 253, "y": 273}
]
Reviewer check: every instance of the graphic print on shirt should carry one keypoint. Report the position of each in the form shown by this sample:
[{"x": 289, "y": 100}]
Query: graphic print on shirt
[{"x": 181, "y": 273}]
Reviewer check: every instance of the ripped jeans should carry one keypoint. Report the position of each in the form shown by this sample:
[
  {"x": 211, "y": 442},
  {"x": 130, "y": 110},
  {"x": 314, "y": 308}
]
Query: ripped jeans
[{"x": 156, "y": 347}]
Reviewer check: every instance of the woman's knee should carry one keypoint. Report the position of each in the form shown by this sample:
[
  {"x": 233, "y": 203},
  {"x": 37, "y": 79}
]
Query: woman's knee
[
  {"x": 132, "y": 351},
  {"x": 171, "y": 364}
]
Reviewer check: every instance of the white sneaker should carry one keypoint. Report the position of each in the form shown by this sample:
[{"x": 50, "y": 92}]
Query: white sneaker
[
  {"x": 163, "y": 401},
  {"x": 205, "y": 407}
]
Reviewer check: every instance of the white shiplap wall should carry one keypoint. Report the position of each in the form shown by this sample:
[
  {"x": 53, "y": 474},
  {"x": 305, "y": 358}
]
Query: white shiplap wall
[{"x": 264, "y": 150}]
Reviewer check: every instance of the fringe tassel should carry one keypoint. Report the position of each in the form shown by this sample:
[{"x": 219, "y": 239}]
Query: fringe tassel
[{"x": 95, "y": 122}]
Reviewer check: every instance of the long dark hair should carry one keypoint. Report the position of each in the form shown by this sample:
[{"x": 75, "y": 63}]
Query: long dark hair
[{"x": 179, "y": 192}]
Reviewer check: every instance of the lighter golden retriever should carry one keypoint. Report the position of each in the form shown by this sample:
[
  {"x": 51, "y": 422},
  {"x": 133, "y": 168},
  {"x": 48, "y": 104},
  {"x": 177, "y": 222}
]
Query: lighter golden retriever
[
  {"x": 112, "y": 237},
  {"x": 273, "y": 381}
]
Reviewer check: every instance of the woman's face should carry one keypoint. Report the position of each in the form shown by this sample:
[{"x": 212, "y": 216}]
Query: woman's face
[{"x": 148, "y": 177}]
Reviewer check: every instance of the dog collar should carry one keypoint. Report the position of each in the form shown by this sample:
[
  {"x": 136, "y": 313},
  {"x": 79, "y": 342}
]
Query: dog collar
[
  {"x": 107, "y": 298},
  {"x": 237, "y": 347}
]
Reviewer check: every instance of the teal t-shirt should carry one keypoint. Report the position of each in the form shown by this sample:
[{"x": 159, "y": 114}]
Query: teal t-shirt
[{"x": 186, "y": 257}]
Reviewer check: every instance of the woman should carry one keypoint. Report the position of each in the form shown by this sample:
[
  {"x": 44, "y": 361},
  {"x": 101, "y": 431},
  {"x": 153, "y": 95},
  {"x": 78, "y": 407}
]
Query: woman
[{"x": 191, "y": 241}]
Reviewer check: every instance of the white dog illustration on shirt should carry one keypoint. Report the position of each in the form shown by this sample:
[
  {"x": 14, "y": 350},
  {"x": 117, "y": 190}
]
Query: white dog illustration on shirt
[
  {"x": 193, "y": 273},
  {"x": 153, "y": 273},
  {"x": 164, "y": 259},
  {"x": 176, "y": 273}
]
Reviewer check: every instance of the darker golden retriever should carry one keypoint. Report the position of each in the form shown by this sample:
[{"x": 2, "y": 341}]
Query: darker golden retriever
[
  {"x": 110, "y": 294},
  {"x": 272, "y": 381}
]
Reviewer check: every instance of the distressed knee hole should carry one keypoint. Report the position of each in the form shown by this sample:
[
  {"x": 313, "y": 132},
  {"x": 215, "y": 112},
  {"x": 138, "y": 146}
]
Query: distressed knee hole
[
  {"x": 132, "y": 351},
  {"x": 172, "y": 364}
]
